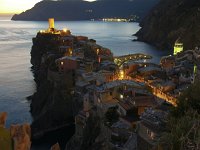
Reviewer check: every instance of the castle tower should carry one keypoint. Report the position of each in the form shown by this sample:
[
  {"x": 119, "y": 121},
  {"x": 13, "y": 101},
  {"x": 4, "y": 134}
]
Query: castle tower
[
  {"x": 178, "y": 46},
  {"x": 51, "y": 23}
]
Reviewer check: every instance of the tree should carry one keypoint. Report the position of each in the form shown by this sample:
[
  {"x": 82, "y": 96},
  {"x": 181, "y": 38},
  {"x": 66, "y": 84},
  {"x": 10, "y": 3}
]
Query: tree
[
  {"x": 111, "y": 116},
  {"x": 183, "y": 132},
  {"x": 189, "y": 99},
  {"x": 184, "y": 122}
]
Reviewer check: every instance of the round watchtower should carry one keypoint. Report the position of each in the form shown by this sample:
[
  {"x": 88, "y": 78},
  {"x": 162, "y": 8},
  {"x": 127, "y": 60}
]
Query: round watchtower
[{"x": 51, "y": 24}]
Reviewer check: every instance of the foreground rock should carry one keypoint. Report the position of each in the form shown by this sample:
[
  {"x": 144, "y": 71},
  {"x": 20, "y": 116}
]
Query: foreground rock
[
  {"x": 3, "y": 117},
  {"x": 18, "y": 138}
]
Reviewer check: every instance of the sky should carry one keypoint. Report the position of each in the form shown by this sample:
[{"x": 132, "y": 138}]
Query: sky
[{"x": 17, "y": 6}]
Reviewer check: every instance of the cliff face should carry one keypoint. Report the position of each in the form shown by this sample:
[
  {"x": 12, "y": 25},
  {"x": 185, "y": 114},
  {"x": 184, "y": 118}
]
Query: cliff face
[
  {"x": 169, "y": 20},
  {"x": 83, "y": 10},
  {"x": 95, "y": 136},
  {"x": 52, "y": 107}
]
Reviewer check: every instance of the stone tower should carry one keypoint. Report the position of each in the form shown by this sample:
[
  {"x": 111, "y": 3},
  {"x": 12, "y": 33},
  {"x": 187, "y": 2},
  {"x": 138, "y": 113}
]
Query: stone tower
[{"x": 51, "y": 23}]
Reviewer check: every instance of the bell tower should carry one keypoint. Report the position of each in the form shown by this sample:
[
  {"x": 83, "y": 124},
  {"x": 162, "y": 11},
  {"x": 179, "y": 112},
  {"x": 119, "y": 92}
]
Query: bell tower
[{"x": 178, "y": 46}]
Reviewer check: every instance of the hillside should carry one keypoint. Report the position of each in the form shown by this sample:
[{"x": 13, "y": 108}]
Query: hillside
[
  {"x": 169, "y": 20},
  {"x": 83, "y": 10}
]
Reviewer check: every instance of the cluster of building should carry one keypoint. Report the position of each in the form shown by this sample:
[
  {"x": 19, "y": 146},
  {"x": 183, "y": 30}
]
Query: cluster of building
[{"x": 138, "y": 91}]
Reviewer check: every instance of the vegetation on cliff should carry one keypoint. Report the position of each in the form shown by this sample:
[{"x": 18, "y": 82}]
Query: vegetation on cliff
[
  {"x": 184, "y": 122},
  {"x": 5, "y": 139},
  {"x": 169, "y": 20},
  {"x": 111, "y": 116},
  {"x": 91, "y": 133}
]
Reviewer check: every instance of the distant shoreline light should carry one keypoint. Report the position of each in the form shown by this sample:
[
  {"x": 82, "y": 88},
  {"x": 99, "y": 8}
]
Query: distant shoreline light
[{"x": 89, "y": 0}]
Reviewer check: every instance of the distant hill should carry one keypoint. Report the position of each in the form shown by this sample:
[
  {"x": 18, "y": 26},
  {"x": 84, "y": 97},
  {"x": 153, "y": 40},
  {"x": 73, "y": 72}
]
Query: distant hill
[
  {"x": 83, "y": 10},
  {"x": 169, "y": 20}
]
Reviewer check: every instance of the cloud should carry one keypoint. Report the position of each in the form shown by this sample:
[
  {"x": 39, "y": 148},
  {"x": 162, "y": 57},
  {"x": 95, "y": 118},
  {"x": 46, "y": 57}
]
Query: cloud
[{"x": 16, "y": 6}]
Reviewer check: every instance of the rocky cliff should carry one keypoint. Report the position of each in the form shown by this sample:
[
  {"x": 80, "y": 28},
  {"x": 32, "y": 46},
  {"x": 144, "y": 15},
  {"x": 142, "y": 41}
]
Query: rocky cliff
[
  {"x": 83, "y": 10},
  {"x": 17, "y": 137},
  {"x": 169, "y": 20},
  {"x": 95, "y": 136},
  {"x": 52, "y": 107}
]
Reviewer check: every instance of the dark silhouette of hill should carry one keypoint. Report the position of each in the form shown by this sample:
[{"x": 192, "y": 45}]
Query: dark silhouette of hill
[
  {"x": 83, "y": 10},
  {"x": 169, "y": 20}
]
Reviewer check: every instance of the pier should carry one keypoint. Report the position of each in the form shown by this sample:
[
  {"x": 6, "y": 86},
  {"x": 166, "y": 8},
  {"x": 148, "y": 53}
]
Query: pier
[{"x": 120, "y": 60}]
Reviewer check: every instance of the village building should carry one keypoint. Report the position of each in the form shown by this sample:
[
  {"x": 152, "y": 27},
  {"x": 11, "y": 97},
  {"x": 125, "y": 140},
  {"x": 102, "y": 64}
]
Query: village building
[
  {"x": 152, "y": 125},
  {"x": 167, "y": 63},
  {"x": 68, "y": 63}
]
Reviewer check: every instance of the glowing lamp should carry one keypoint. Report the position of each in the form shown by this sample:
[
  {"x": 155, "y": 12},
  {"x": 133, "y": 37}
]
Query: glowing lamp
[
  {"x": 41, "y": 31},
  {"x": 62, "y": 63},
  {"x": 65, "y": 30},
  {"x": 121, "y": 74}
]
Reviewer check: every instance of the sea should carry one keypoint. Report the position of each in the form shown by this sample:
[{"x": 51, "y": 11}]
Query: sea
[{"x": 16, "y": 78}]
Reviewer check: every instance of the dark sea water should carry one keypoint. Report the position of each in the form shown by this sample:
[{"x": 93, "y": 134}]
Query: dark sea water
[{"x": 16, "y": 79}]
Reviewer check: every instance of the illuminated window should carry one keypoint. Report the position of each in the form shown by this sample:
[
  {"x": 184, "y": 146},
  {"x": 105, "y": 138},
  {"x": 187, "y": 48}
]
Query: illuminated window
[{"x": 97, "y": 51}]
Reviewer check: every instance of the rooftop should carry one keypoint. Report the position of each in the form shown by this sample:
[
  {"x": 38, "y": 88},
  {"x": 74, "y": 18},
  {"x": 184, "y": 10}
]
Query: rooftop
[
  {"x": 118, "y": 83},
  {"x": 144, "y": 101},
  {"x": 149, "y": 68},
  {"x": 154, "y": 118},
  {"x": 69, "y": 58},
  {"x": 127, "y": 105},
  {"x": 121, "y": 125}
]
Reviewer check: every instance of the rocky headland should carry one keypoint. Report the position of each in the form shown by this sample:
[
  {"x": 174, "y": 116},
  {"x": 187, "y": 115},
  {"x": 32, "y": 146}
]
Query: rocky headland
[
  {"x": 59, "y": 59},
  {"x": 52, "y": 106},
  {"x": 170, "y": 20},
  {"x": 82, "y": 10}
]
